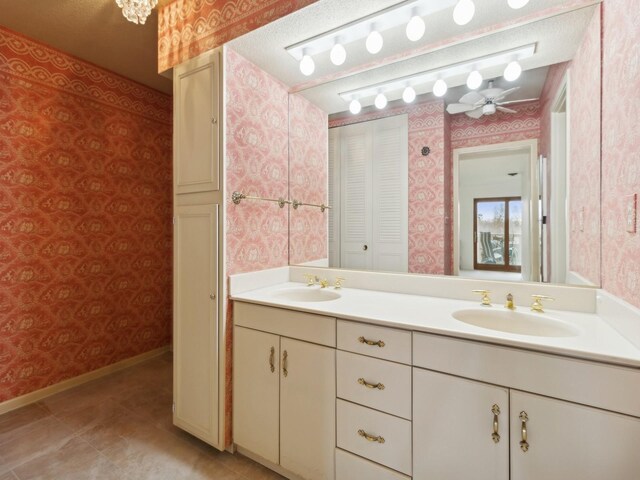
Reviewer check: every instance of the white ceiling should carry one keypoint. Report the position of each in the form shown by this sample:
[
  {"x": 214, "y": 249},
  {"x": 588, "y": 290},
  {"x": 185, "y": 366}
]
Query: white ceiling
[
  {"x": 93, "y": 30},
  {"x": 557, "y": 39}
]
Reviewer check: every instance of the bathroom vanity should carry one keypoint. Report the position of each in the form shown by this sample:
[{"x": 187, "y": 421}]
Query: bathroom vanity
[{"x": 355, "y": 383}]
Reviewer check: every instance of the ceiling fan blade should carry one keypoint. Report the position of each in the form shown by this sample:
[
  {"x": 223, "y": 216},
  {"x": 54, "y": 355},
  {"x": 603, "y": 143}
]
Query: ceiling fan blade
[
  {"x": 506, "y": 110},
  {"x": 517, "y": 101},
  {"x": 472, "y": 98},
  {"x": 454, "y": 108},
  {"x": 477, "y": 113},
  {"x": 505, "y": 93}
]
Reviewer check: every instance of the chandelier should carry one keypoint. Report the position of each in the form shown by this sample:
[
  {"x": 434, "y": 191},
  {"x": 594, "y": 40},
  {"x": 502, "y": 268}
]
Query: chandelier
[{"x": 136, "y": 11}]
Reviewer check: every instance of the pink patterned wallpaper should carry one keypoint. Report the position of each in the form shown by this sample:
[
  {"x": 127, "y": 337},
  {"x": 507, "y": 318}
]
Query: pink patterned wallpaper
[
  {"x": 620, "y": 147},
  {"x": 308, "y": 180},
  {"x": 427, "y": 250},
  {"x": 85, "y": 217}
]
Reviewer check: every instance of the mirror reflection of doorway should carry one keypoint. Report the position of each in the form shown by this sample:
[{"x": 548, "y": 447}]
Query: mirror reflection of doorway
[{"x": 497, "y": 227}]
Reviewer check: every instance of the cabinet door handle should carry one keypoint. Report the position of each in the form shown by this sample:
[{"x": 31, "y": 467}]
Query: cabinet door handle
[
  {"x": 371, "y": 438},
  {"x": 285, "y": 363},
  {"x": 272, "y": 358},
  {"x": 379, "y": 343},
  {"x": 379, "y": 386},
  {"x": 495, "y": 436},
  {"x": 524, "y": 418}
]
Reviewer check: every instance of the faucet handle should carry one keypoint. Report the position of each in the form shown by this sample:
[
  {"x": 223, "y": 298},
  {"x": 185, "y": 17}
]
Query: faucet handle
[
  {"x": 311, "y": 279},
  {"x": 324, "y": 283},
  {"x": 338, "y": 283},
  {"x": 486, "y": 300},
  {"x": 536, "y": 306}
]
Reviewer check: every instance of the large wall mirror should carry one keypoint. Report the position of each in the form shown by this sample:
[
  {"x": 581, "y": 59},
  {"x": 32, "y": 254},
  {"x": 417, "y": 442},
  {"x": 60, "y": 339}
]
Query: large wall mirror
[{"x": 499, "y": 179}]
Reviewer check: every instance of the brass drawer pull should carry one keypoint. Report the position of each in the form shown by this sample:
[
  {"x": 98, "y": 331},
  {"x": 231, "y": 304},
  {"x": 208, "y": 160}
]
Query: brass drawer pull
[
  {"x": 524, "y": 418},
  {"x": 379, "y": 343},
  {"x": 285, "y": 363},
  {"x": 495, "y": 436},
  {"x": 379, "y": 386},
  {"x": 272, "y": 358},
  {"x": 371, "y": 438}
]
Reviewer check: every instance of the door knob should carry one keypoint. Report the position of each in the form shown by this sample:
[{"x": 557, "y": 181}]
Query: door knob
[{"x": 365, "y": 247}]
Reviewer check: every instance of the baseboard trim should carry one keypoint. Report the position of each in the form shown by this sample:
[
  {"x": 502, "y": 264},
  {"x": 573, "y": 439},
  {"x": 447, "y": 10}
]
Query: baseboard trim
[
  {"x": 266, "y": 463},
  {"x": 33, "y": 397}
]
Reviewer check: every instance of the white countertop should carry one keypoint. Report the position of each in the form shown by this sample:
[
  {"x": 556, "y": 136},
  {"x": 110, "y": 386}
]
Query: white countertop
[{"x": 597, "y": 340}]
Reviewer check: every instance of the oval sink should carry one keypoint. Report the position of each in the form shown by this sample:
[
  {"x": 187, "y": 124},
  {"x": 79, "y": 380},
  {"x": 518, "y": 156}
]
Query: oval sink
[
  {"x": 307, "y": 295},
  {"x": 515, "y": 322}
]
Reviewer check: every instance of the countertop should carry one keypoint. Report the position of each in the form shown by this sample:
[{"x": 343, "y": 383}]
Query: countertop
[{"x": 596, "y": 340}]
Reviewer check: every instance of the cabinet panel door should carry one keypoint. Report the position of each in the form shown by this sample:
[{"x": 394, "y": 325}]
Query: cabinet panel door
[
  {"x": 453, "y": 425},
  {"x": 195, "y": 322},
  {"x": 570, "y": 441},
  {"x": 256, "y": 392},
  {"x": 197, "y": 126},
  {"x": 307, "y": 406}
]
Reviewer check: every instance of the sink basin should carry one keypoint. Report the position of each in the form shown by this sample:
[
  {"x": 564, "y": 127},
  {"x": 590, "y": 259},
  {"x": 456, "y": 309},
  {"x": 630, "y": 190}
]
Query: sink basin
[
  {"x": 307, "y": 295},
  {"x": 515, "y": 322}
]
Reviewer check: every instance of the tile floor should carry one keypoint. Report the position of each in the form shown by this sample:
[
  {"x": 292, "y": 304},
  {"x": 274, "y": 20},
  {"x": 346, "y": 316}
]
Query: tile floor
[{"x": 118, "y": 427}]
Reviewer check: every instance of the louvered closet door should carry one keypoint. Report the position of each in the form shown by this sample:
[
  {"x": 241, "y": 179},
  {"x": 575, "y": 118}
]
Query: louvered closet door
[
  {"x": 355, "y": 189},
  {"x": 334, "y": 197}
]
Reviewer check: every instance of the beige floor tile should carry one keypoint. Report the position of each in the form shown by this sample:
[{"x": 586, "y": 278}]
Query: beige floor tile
[
  {"x": 76, "y": 460},
  {"x": 21, "y": 417},
  {"x": 8, "y": 476}
]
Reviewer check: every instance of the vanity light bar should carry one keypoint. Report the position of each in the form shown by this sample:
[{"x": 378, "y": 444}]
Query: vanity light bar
[
  {"x": 462, "y": 68},
  {"x": 359, "y": 29}
]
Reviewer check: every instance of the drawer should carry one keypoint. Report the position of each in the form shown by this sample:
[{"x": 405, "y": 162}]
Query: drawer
[
  {"x": 351, "y": 467},
  {"x": 393, "y": 449},
  {"x": 381, "y": 342},
  {"x": 392, "y": 393},
  {"x": 288, "y": 323}
]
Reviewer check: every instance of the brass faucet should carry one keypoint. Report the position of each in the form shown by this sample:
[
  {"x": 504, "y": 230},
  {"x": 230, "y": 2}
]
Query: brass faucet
[
  {"x": 510, "y": 305},
  {"x": 311, "y": 279},
  {"x": 338, "y": 283},
  {"x": 536, "y": 306},
  {"x": 486, "y": 300},
  {"x": 324, "y": 283}
]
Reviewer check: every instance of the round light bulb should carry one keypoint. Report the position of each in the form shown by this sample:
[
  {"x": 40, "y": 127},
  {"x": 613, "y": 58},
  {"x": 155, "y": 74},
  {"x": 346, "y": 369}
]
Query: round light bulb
[
  {"x": 515, "y": 4},
  {"x": 474, "y": 80},
  {"x": 355, "y": 107},
  {"x": 307, "y": 65},
  {"x": 374, "y": 42},
  {"x": 512, "y": 71},
  {"x": 440, "y": 88},
  {"x": 415, "y": 28},
  {"x": 380, "y": 101},
  {"x": 463, "y": 12},
  {"x": 338, "y": 54},
  {"x": 409, "y": 95}
]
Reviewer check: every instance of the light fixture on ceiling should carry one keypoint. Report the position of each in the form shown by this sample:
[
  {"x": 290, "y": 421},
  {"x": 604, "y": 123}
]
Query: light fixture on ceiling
[
  {"x": 464, "y": 12},
  {"x": 137, "y": 11},
  {"x": 474, "y": 80},
  {"x": 516, "y": 4},
  {"x": 438, "y": 77},
  {"x": 512, "y": 71},
  {"x": 338, "y": 54},
  {"x": 307, "y": 65},
  {"x": 355, "y": 107},
  {"x": 409, "y": 94},
  {"x": 374, "y": 41},
  {"x": 415, "y": 28},
  {"x": 380, "y": 101}
]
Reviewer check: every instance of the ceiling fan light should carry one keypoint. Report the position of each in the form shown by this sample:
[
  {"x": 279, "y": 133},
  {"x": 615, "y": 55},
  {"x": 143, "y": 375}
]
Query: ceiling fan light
[
  {"x": 409, "y": 95},
  {"x": 515, "y": 4},
  {"x": 415, "y": 28},
  {"x": 307, "y": 65},
  {"x": 380, "y": 101},
  {"x": 512, "y": 71},
  {"x": 355, "y": 107},
  {"x": 374, "y": 42},
  {"x": 439, "y": 88},
  {"x": 474, "y": 80},
  {"x": 338, "y": 54},
  {"x": 463, "y": 12}
]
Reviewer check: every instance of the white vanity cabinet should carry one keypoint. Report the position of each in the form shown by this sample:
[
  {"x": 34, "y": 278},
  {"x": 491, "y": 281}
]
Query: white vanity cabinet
[{"x": 284, "y": 389}]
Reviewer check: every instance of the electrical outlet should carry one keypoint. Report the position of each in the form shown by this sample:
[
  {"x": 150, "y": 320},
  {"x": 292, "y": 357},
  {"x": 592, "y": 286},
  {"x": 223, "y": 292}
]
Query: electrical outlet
[{"x": 630, "y": 209}]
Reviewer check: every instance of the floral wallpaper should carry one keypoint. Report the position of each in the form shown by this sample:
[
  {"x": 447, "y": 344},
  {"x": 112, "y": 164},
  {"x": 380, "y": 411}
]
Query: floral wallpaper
[
  {"x": 620, "y": 147},
  {"x": 187, "y": 28},
  {"x": 85, "y": 217},
  {"x": 308, "y": 180}
]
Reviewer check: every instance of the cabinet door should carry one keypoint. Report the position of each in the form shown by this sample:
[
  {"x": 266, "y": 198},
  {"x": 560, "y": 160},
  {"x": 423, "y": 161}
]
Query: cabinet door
[
  {"x": 256, "y": 392},
  {"x": 570, "y": 441},
  {"x": 453, "y": 426},
  {"x": 195, "y": 321},
  {"x": 307, "y": 406},
  {"x": 197, "y": 125}
]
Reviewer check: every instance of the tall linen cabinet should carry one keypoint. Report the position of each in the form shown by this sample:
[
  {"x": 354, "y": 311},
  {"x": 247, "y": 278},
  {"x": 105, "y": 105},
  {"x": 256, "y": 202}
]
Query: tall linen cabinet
[{"x": 198, "y": 200}]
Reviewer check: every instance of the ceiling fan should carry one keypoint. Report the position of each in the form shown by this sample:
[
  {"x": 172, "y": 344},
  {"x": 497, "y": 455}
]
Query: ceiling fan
[{"x": 485, "y": 102}]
